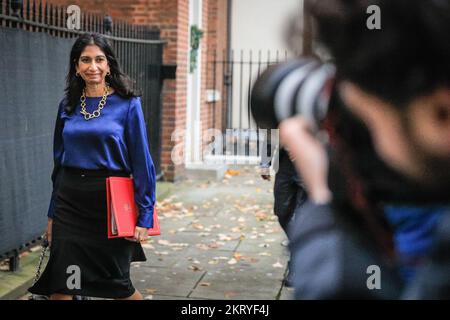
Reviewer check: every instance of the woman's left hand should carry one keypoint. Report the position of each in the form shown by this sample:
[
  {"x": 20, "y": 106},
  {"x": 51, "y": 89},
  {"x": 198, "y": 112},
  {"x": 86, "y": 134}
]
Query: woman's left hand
[{"x": 140, "y": 235}]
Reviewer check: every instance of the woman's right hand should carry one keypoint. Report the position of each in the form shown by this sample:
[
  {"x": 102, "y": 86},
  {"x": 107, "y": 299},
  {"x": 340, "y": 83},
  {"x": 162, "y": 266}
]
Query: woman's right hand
[{"x": 48, "y": 232}]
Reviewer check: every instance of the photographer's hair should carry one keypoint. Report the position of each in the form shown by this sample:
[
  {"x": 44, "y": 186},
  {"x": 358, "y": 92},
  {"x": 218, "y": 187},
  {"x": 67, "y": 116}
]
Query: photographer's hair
[
  {"x": 353, "y": 172},
  {"x": 407, "y": 58},
  {"x": 118, "y": 80}
]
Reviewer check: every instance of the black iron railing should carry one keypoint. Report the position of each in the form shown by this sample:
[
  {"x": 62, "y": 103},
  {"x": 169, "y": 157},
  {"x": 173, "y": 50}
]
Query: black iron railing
[{"x": 233, "y": 75}]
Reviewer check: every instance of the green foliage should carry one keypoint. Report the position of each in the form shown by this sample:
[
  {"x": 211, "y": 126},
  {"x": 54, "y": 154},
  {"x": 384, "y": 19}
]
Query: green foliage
[{"x": 196, "y": 36}]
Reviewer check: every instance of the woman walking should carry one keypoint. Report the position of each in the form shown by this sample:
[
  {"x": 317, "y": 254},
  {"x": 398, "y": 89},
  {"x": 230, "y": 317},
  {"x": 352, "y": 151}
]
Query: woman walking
[{"x": 100, "y": 132}]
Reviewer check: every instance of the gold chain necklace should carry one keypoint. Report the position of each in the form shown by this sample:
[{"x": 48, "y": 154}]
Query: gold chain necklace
[{"x": 101, "y": 104}]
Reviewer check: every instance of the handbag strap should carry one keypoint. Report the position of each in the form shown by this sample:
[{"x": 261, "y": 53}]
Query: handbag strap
[{"x": 41, "y": 259}]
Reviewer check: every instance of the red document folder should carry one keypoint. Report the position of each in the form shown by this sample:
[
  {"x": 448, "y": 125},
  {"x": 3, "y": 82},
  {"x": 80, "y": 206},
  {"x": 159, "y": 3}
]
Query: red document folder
[{"x": 122, "y": 209}]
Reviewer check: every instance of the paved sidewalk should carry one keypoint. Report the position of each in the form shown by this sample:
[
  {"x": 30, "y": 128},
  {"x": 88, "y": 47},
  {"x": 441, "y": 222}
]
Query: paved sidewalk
[{"x": 220, "y": 241}]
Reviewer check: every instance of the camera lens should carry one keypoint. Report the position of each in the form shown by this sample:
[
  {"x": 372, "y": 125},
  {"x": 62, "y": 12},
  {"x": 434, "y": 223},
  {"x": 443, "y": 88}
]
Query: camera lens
[{"x": 301, "y": 86}]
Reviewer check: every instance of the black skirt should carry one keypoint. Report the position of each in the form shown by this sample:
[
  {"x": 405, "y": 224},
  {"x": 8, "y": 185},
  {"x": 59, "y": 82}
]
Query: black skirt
[{"x": 80, "y": 244}]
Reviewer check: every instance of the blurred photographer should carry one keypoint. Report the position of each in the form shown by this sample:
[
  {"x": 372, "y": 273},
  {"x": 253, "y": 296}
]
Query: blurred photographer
[{"x": 388, "y": 125}]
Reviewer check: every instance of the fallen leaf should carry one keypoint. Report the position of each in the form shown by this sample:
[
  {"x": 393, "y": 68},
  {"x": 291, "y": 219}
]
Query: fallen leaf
[
  {"x": 214, "y": 245},
  {"x": 277, "y": 265},
  {"x": 224, "y": 237},
  {"x": 204, "y": 234},
  {"x": 237, "y": 256},
  {"x": 150, "y": 291},
  {"x": 230, "y": 295},
  {"x": 178, "y": 205},
  {"x": 195, "y": 268},
  {"x": 163, "y": 242},
  {"x": 261, "y": 216},
  {"x": 266, "y": 254},
  {"x": 198, "y": 226},
  {"x": 205, "y": 284},
  {"x": 232, "y": 172},
  {"x": 232, "y": 261}
]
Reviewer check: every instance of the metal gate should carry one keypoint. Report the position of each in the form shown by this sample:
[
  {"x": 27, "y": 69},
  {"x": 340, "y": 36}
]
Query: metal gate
[{"x": 234, "y": 74}]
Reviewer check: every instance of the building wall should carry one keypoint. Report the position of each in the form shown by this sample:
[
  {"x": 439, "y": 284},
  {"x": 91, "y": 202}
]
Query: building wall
[
  {"x": 261, "y": 24},
  {"x": 213, "y": 46},
  {"x": 259, "y": 30},
  {"x": 217, "y": 50}
]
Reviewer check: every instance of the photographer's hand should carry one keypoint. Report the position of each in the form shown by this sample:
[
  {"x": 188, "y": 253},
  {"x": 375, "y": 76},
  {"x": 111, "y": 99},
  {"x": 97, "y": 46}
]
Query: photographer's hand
[
  {"x": 265, "y": 173},
  {"x": 311, "y": 160}
]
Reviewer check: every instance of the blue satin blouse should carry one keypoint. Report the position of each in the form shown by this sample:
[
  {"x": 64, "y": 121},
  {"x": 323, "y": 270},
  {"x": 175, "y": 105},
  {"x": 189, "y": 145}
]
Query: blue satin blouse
[{"x": 117, "y": 140}]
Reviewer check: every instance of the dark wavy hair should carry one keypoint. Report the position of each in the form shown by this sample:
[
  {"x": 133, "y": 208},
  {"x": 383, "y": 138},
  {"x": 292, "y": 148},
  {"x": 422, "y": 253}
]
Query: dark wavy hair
[
  {"x": 119, "y": 81},
  {"x": 407, "y": 58}
]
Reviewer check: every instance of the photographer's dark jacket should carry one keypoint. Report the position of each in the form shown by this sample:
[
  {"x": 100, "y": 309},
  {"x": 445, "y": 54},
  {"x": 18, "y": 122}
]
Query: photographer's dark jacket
[{"x": 331, "y": 257}]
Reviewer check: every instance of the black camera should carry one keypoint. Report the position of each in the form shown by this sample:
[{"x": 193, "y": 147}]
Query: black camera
[
  {"x": 301, "y": 86},
  {"x": 307, "y": 87}
]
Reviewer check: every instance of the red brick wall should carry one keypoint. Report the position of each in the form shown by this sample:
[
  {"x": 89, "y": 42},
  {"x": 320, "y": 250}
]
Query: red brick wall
[{"x": 127, "y": 10}]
